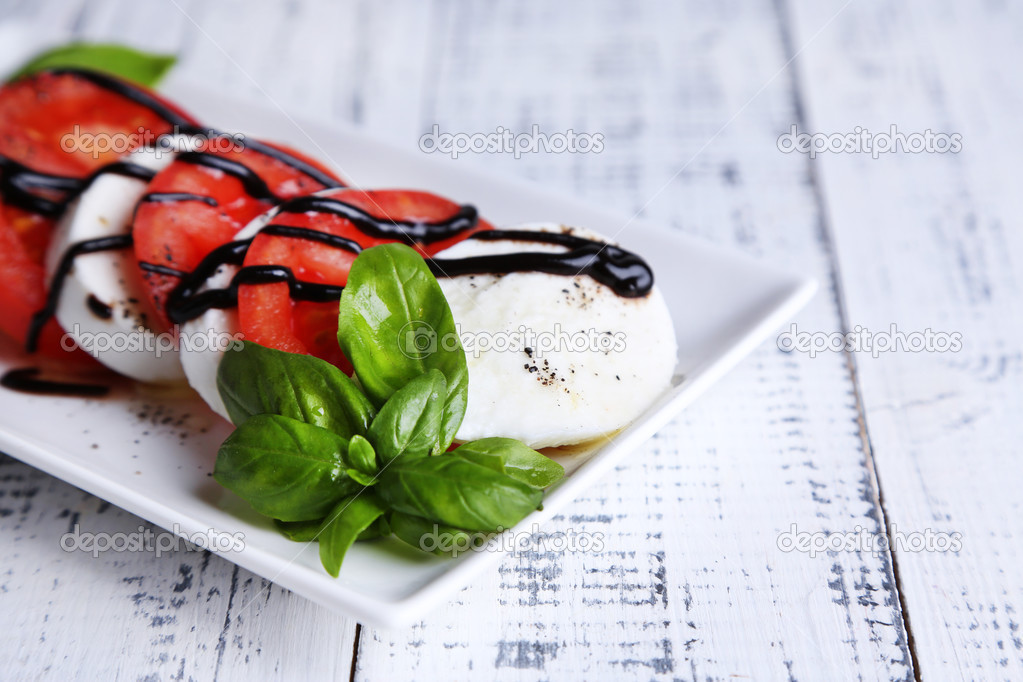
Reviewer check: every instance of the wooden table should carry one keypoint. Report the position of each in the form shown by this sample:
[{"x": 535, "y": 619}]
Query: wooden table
[{"x": 693, "y": 581}]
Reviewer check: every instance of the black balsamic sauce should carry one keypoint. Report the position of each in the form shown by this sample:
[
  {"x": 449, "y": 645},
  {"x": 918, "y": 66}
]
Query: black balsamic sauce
[
  {"x": 284, "y": 157},
  {"x": 17, "y": 182},
  {"x": 624, "y": 272},
  {"x": 254, "y": 185},
  {"x": 173, "y": 197},
  {"x": 26, "y": 380},
  {"x": 416, "y": 232},
  {"x": 99, "y": 308},
  {"x": 67, "y": 261},
  {"x": 128, "y": 91},
  {"x": 186, "y": 301}
]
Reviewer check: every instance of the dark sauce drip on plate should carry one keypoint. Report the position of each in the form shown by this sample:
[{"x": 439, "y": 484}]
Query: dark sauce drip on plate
[{"x": 26, "y": 380}]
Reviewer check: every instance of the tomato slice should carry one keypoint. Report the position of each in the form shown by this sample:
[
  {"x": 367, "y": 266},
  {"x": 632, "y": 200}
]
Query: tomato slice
[
  {"x": 194, "y": 205},
  {"x": 268, "y": 315},
  {"x": 61, "y": 126}
]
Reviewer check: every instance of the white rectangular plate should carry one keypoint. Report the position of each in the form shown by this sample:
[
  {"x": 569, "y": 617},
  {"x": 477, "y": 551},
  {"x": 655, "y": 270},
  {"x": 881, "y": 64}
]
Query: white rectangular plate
[{"x": 152, "y": 453}]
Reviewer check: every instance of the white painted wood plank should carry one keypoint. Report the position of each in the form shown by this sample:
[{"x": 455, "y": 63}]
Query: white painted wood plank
[
  {"x": 135, "y": 615},
  {"x": 934, "y": 241}
]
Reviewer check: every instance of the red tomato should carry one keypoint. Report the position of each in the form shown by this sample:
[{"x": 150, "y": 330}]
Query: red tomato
[
  {"x": 179, "y": 234},
  {"x": 269, "y": 316},
  {"x": 51, "y": 123}
]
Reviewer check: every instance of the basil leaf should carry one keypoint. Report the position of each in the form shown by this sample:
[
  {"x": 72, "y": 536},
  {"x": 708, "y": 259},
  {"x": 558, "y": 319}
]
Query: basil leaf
[
  {"x": 409, "y": 423},
  {"x": 378, "y": 529},
  {"x": 350, "y": 518},
  {"x": 456, "y": 492},
  {"x": 395, "y": 324},
  {"x": 299, "y": 531},
  {"x": 254, "y": 379},
  {"x": 284, "y": 468},
  {"x": 361, "y": 456},
  {"x": 429, "y": 536},
  {"x": 139, "y": 67},
  {"x": 361, "y": 478},
  {"x": 518, "y": 460},
  {"x": 307, "y": 531}
]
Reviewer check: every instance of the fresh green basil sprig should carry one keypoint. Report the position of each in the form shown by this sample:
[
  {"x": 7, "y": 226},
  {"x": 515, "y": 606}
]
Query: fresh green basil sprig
[
  {"x": 144, "y": 68},
  {"x": 338, "y": 460}
]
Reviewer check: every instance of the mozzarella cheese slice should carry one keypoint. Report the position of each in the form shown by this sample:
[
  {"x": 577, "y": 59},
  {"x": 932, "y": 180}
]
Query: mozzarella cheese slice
[
  {"x": 554, "y": 360},
  {"x": 204, "y": 339},
  {"x": 101, "y": 302}
]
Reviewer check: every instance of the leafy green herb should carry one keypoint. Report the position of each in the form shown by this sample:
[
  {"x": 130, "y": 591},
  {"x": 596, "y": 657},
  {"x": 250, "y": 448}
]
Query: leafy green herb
[
  {"x": 433, "y": 537},
  {"x": 395, "y": 324},
  {"x": 286, "y": 469},
  {"x": 140, "y": 67},
  {"x": 378, "y": 529},
  {"x": 361, "y": 455},
  {"x": 350, "y": 518},
  {"x": 456, "y": 492},
  {"x": 254, "y": 379},
  {"x": 409, "y": 423},
  {"x": 311, "y": 451},
  {"x": 516, "y": 459},
  {"x": 299, "y": 531}
]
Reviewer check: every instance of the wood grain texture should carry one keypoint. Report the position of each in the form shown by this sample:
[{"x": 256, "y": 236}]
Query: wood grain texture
[
  {"x": 933, "y": 241},
  {"x": 690, "y": 582}
]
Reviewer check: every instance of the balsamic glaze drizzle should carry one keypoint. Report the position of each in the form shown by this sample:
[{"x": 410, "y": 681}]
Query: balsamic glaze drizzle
[
  {"x": 172, "y": 197},
  {"x": 254, "y": 185},
  {"x": 67, "y": 261},
  {"x": 621, "y": 270},
  {"x": 416, "y": 232},
  {"x": 17, "y": 182},
  {"x": 187, "y": 302},
  {"x": 129, "y": 91},
  {"x": 25, "y": 380},
  {"x": 624, "y": 272},
  {"x": 98, "y": 307}
]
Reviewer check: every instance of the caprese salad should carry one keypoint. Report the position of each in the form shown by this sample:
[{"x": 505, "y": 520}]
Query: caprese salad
[{"x": 411, "y": 356}]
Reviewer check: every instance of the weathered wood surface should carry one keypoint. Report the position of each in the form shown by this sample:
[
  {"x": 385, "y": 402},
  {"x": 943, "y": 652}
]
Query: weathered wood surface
[
  {"x": 691, "y": 583},
  {"x": 933, "y": 240}
]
